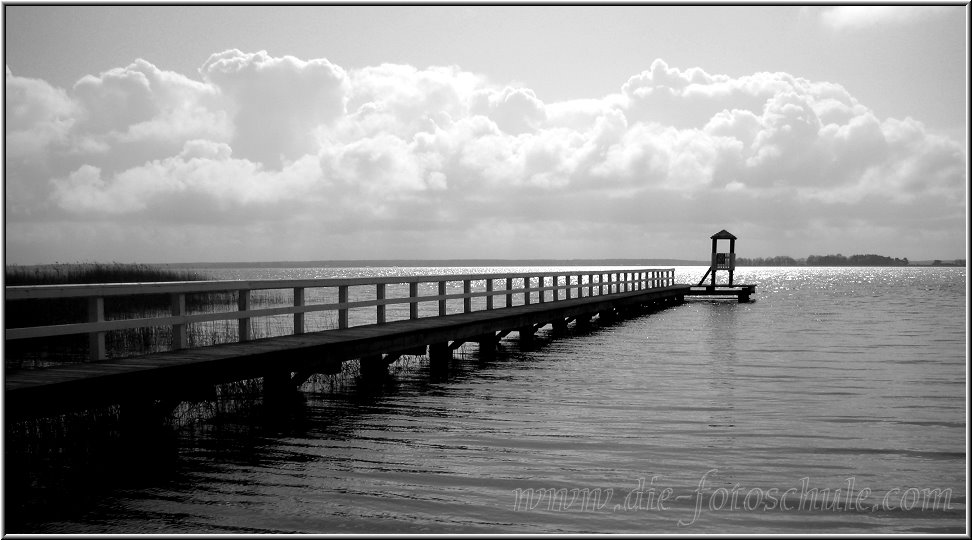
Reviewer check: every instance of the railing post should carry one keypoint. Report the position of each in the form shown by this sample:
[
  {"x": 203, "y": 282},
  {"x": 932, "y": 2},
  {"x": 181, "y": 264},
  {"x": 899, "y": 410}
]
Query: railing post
[
  {"x": 567, "y": 286},
  {"x": 342, "y": 311},
  {"x": 380, "y": 308},
  {"x": 244, "y": 323},
  {"x": 509, "y": 293},
  {"x": 590, "y": 285},
  {"x": 466, "y": 299},
  {"x": 600, "y": 284},
  {"x": 96, "y": 340},
  {"x": 489, "y": 294},
  {"x": 413, "y": 305},
  {"x": 526, "y": 291},
  {"x": 298, "y": 317},
  {"x": 541, "y": 282},
  {"x": 442, "y": 301},
  {"x": 556, "y": 286},
  {"x": 177, "y": 303}
]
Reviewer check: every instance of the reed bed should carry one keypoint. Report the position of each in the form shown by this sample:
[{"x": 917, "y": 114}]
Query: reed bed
[{"x": 45, "y": 352}]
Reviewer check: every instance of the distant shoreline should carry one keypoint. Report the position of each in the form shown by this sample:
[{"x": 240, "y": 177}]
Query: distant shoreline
[
  {"x": 349, "y": 263},
  {"x": 384, "y": 263}
]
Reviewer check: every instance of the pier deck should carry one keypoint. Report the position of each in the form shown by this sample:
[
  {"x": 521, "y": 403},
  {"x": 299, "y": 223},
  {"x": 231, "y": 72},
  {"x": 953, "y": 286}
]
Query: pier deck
[
  {"x": 287, "y": 361},
  {"x": 741, "y": 291}
]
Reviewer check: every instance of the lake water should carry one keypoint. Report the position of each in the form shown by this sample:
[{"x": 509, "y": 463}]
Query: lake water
[{"x": 834, "y": 403}]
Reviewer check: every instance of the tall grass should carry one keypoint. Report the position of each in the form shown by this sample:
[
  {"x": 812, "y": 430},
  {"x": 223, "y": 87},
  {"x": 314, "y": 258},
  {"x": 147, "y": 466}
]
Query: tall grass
[
  {"x": 63, "y": 274},
  {"x": 41, "y": 352}
]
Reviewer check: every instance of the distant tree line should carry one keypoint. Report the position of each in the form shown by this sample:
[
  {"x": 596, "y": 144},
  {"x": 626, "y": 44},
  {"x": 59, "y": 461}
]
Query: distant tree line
[
  {"x": 824, "y": 260},
  {"x": 855, "y": 260},
  {"x": 781, "y": 260}
]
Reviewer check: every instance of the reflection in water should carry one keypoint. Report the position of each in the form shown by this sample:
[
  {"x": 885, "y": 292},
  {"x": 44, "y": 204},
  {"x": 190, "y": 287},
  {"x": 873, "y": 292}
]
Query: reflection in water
[{"x": 832, "y": 375}]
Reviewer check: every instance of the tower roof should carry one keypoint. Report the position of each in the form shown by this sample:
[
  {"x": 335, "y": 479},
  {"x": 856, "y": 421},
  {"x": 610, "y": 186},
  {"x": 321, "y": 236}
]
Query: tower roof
[{"x": 723, "y": 235}]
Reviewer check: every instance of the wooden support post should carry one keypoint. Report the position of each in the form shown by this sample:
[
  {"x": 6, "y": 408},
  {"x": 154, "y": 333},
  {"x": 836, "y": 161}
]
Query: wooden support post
[
  {"x": 380, "y": 308},
  {"x": 541, "y": 281},
  {"x": 244, "y": 323},
  {"x": 439, "y": 356},
  {"x": 732, "y": 257},
  {"x": 559, "y": 326},
  {"x": 177, "y": 303},
  {"x": 567, "y": 287},
  {"x": 442, "y": 301},
  {"x": 526, "y": 335},
  {"x": 372, "y": 366},
  {"x": 466, "y": 299},
  {"x": 509, "y": 295},
  {"x": 298, "y": 317},
  {"x": 96, "y": 340},
  {"x": 583, "y": 320},
  {"x": 342, "y": 311},
  {"x": 277, "y": 385},
  {"x": 526, "y": 291},
  {"x": 413, "y": 305},
  {"x": 487, "y": 346},
  {"x": 489, "y": 294}
]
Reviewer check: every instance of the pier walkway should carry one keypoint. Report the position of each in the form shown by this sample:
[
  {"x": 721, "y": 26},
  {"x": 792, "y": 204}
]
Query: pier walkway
[{"x": 530, "y": 302}]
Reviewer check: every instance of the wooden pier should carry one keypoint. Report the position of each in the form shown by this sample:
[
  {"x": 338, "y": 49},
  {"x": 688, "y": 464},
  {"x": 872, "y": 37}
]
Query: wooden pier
[
  {"x": 493, "y": 306},
  {"x": 740, "y": 292}
]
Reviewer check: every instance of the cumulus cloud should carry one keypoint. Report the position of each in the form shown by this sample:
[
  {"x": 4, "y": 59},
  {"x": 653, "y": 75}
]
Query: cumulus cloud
[
  {"x": 276, "y": 103},
  {"x": 398, "y": 160}
]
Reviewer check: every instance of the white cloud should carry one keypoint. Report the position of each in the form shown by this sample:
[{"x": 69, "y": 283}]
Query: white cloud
[
  {"x": 392, "y": 154},
  {"x": 276, "y": 103}
]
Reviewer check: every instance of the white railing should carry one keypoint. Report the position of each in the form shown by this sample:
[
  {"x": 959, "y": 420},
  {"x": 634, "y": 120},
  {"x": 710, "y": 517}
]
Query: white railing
[{"x": 513, "y": 289}]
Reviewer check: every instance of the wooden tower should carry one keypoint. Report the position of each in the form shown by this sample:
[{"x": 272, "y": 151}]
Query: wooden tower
[{"x": 721, "y": 261}]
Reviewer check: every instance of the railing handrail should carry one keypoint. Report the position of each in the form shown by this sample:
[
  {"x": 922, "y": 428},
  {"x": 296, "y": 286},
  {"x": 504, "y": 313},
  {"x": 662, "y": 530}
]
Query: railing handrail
[
  {"x": 619, "y": 280},
  {"x": 82, "y": 290}
]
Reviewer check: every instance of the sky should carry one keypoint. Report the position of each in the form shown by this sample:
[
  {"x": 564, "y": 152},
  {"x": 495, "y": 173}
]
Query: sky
[{"x": 255, "y": 133}]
